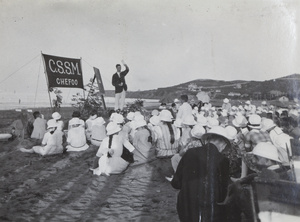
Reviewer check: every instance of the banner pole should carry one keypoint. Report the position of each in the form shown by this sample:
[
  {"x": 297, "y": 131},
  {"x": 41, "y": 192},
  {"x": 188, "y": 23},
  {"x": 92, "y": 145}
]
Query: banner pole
[{"x": 47, "y": 80}]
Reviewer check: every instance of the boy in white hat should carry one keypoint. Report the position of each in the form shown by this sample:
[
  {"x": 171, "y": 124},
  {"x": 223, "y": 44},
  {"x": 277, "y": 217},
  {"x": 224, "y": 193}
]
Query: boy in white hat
[{"x": 52, "y": 141}]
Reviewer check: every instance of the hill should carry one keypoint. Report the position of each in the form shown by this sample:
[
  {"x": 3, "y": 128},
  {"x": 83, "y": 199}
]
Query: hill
[{"x": 238, "y": 89}]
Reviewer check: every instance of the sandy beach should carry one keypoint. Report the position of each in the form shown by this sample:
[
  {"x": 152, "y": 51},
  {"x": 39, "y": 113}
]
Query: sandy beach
[{"x": 61, "y": 187}]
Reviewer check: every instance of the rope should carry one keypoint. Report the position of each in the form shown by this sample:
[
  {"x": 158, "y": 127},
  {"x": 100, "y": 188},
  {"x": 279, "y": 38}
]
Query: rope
[
  {"x": 19, "y": 69},
  {"x": 37, "y": 83}
]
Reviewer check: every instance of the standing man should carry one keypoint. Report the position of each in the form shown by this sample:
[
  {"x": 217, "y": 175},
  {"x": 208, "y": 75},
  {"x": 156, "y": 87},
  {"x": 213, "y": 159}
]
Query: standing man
[{"x": 118, "y": 81}]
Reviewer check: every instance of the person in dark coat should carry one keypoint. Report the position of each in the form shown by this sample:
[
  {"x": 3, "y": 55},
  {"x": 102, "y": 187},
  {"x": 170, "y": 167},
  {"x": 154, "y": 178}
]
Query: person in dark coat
[
  {"x": 118, "y": 81},
  {"x": 202, "y": 177}
]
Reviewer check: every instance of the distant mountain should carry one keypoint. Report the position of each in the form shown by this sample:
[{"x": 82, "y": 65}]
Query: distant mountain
[{"x": 285, "y": 86}]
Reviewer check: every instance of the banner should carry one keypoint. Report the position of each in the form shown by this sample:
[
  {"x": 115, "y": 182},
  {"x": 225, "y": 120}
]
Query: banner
[
  {"x": 63, "y": 72},
  {"x": 99, "y": 81}
]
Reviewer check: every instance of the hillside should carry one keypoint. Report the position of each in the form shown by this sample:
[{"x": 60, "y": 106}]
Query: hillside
[{"x": 269, "y": 89}]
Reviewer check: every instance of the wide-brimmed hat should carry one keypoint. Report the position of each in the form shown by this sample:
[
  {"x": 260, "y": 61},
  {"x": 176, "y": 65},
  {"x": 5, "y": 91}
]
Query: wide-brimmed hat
[
  {"x": 266, "y": 150},
  {"x": 178, "y": 123},
  {"x": 176, "y": 100},
  {"x": 189, "y": 120},
  {"x": 211, "y": 122},
  {"x": 138, "y": 117},
  {"x": 254, "y": 121},
  {"x": 225, "y": 100},
  {"x": 139, "y": 123},
  {"x": 248, "y": 102},
  {"x": 155, "y": 112},
  {"x": 56, "y": 116},
  {"x": 201, "y": 120},
  {"x": 130, "y": 116},
  {"x": 264, "y": 103},
  {"x": 74, "y": 121},
  {"x": 117, "y": 118},
  {"x": 217, "y": 130},
  {"x": 154, "y": 120},
  {"x": 198, "y": 131},
  {"x": 240, "y": 121},
  {"x": 166, "y": 116},
  {"x": 267, "y": 124},
  {"x": 98, "y": 121},
  {"x": 51, "y": 123},
  {"x": 231, "y": 132},
  {"x": 112, "y": 128}
]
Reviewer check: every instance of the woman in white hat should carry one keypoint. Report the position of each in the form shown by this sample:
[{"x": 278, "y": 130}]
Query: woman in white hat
[
  {"x": 167, "y": 143},
  {"x": 76, "y": 136},
  {"x": 142, "y": 142},
  {"x": 109, "y": 156},
  {"x": 98, "y": 131},
  {"x": 52, "y": 141}
]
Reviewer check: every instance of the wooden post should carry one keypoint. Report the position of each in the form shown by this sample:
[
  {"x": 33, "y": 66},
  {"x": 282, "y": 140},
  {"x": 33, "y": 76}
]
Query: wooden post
[{"x": 47, "y": 81}]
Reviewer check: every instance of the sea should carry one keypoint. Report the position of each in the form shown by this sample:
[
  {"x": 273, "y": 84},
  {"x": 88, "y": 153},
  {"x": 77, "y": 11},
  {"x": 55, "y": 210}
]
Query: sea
[{"x": 109, "y": 102}]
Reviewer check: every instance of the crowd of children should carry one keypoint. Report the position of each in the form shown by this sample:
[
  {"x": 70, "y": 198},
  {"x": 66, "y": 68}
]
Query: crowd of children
[{"x": 232, "y": 141}]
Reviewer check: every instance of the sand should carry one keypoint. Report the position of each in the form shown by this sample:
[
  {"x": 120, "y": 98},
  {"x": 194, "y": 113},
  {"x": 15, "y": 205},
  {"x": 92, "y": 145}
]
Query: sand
[{"x": 61, "y": 188}]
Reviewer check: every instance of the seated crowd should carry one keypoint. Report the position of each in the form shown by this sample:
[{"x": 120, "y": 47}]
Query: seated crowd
[{"x": 210, "y": 149}]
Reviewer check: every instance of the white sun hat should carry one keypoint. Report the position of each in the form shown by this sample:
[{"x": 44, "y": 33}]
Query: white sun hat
[
  {"x": 217, "y": 130},
  {"x": 189, "y": 120},
  {"x": 201, "y": 120},
  {"x": 266, "y": 150},
  {"x": 240, "y": 121},
  {"x": 254, "y": 121},
  {"x": 155, "y": 112},
  {"x": 178, "y": 123},
  {"x": 198, "y": 131},
  {"x": 176, "y": 100},
  {"x": 51, "y": 123},
  {"x": 267, "y": 124},
  {"x": 130, "y": 116},
  {"x": 56, "y": 116},
  {"x": 118, "y": 118},
  {"x": 231, "y": 132},
  {"x": 139, "y": 123},
  {"x": 154, "y": 120},
  {"x": 211, "y": 122},
  {"x": 112, "y": 128},
  {"x": 225, "y": 100},
  {"x": 165, "y": 115}
]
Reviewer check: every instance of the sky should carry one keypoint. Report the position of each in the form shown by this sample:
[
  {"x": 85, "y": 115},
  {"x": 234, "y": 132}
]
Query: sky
[{"x": 164, "y": 42}]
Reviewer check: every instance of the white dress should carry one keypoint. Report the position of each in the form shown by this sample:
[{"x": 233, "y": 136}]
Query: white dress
[
  {"x": 53, "y": 144},
  {"x": 114, "y": 164},
  {"x": 77, "y": 139}
]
